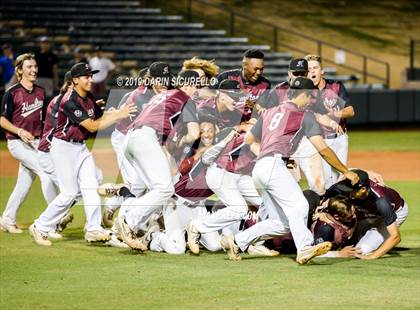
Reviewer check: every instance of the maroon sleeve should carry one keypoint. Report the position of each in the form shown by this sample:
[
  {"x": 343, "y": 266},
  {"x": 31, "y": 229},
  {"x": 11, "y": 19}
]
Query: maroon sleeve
[{"x": 257, "y": 129}]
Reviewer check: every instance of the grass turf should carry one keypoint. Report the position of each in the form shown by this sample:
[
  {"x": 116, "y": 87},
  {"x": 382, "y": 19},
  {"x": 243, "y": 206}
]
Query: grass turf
[{"x": 75, "y": 275}]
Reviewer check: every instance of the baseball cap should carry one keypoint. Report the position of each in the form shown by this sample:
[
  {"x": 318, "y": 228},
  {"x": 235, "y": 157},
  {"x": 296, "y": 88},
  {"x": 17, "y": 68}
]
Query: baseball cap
[
  {"x": 302, "y": 83},
  {"x": 44, "y": 39},
  {"x": 231, "y": 88},
  {"x": 298, "y": 65},
  {"x": 159, "y": 69},
  {"x": 346, "y": 185},
  {"x": 81, "y": 69},
  {"x": 188, "y": 77}
]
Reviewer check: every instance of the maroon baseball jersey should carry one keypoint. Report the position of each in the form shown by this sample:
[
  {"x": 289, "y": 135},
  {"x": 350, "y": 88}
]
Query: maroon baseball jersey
[
  {"x": 73, "y": 110},
  {"x": 254, "y": 90},
  {"x": 281, "y": 129},
  {"x": 49, "y": 126},
  {"x": 193, "y": 185},
  {"x": 139, "y": 96},
  {"x": 333, "y": 97},
  {"x": 276, "y": 96},
  {"x": 333, "y": 231},
  {"x": 237, "y": 157},
  {"x": 23, "y": 108},
  {"x": 163, "y": 110}
]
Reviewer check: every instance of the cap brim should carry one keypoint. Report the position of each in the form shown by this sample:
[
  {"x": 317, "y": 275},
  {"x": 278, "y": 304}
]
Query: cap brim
[
  {"x": 86, "y": 73},
  {"x": 298, "y": 70},
  {"x": 345, "y": 186},
  {"x": 232, "y": 94}
]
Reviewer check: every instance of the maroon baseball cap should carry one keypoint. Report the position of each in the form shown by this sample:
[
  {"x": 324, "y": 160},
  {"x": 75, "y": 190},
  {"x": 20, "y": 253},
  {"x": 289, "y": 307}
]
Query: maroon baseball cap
[{"x": 82, "y": 69}]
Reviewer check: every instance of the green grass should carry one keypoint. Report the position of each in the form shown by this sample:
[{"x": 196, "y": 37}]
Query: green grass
[
  {"x": 74, "y": 275},
  {"x": 375, "y": 140}
]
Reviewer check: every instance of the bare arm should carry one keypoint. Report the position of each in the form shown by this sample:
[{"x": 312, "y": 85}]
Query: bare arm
[
  {"x": 192, "y": 134},
  {"x": 26, "y": 136},
  {"x": 109, "y": 118},
  {"x": 212, "y": 153},
  {"x": 347, "y": 112},
  {"x": 332, "y": 159},
  {"x": 393, "y": 239}
]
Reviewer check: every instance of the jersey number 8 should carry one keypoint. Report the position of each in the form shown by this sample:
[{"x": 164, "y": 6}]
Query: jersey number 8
[{"x": 275, "y": 121}]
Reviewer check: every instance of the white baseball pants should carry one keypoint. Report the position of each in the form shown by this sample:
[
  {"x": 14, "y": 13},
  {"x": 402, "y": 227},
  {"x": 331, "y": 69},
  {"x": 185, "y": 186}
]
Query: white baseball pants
[
  {"x": 146, "y": 155},
  {"x": 340, "y": 146},
  {"x": 29, "y": 168},
  {"x": 76, "y": 172},
  {"x": 285, "y": 205},
  {"x": 234, "y": 191},
  {"x": 375, "y": 236}
]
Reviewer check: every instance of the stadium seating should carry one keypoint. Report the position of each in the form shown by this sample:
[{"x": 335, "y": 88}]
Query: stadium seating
[{"x": 129, "y": 34}]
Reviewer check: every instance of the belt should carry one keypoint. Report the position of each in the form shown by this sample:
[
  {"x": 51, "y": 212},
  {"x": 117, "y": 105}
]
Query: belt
[
  {"x": 334, "y": 135},
  {"x": 186, "y": 202},
  {"x": 75, "y": 141}
]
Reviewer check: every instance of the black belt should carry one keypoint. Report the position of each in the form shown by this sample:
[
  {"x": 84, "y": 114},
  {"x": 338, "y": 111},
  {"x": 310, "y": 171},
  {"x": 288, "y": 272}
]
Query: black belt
[
  {"x": 334, "y": 135},
  {"x": 75, "y": 141}
]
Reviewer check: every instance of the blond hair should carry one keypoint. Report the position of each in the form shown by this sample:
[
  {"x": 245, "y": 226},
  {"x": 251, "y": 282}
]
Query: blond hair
[
  {"x": 314, "y": 58},
  {"x": 208, "y": 66},
  {"x": 19, "y": 63}
]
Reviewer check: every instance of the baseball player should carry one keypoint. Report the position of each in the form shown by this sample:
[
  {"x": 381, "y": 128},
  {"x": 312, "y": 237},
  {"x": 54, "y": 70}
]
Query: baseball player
[
  {"x": 249, "y": 77},
  {"x": 379, "y": 235},
  {"x": 228, "y": 177},
  {"x": 332, "y": 101},
  {"x": 156, "y": 80},
  {"x": 144, "y": 150},
  {"x": 74, "y": 165},
  {"x": 279, "y": 131},
  {"x": 21, "y": 118}
]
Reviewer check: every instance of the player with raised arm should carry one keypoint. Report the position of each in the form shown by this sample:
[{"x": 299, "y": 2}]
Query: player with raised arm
[{"x": 78, "y": 116}]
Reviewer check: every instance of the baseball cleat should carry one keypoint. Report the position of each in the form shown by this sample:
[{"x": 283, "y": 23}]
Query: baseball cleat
[
  {"x": 67, "y": 219},
  {"x": 193, "y": 237},
  {"x": 39, "y": 237},
  {"x": 108, "y": 217},
  {"x": 261, "y": 250},
  {"x": 109, "y": 189},
  {"x": 54, "y": 235},
  {"x": 307, "y": 254},
  {"x": 127, "y": 235},
  {"x": 153, "y": 227},
  {"x": 116, "y": 243},
  {"x": 229, "y": 246},
  {"x": 13, "y": 229},
  {"x": 97, "y": 235}
]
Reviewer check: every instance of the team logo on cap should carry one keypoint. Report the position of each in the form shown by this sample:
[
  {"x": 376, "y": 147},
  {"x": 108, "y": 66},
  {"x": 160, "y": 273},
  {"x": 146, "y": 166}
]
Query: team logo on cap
[
  {"x": 78, "y": 113},
  {"x": 297, "y": 83},
  {"x": 86, "y": 66},
  {"x": 299, "y": 63},
  {"x": 165, "y": 70}
]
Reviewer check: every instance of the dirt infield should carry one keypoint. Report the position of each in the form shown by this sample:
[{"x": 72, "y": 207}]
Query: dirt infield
[{"x": 396, "y": 166}]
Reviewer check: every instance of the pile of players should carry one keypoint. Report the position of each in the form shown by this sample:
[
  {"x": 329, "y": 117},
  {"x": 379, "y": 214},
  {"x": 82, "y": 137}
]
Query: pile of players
[{"x": 208, "y": 160}]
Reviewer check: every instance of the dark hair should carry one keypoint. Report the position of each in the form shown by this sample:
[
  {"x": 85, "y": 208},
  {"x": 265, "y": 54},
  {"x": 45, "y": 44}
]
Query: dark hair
[
  {"x": 253, "y": 53},
  {"x": 293, "y": 93},
  {"x": 205, "y": 115},
  {"x": 340, "y": 206}
]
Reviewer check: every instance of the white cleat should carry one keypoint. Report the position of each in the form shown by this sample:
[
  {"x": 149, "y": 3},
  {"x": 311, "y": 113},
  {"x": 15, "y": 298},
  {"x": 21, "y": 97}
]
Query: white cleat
[
  {"x": 127, "y": 235},
  {"x": 97, "y": 235},
  {"x": 39, "y": 237},
  {"x": 193, "y": 239},
  {"x": 307, "y": 254},
  {"x": 230, "y": 247},
  {"x": 13, "y": 229},
  {"x": 261, "y": 250},
  {"x": 116, "y": 243},
  {"x": 54, "y": 235},
  {"x": 109, "y": 189}
]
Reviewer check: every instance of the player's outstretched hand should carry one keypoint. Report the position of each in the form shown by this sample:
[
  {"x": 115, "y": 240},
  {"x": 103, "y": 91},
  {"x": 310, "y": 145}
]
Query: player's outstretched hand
[
  {"x": 26, "y": 136},
  {"x": 128, "y": 110},
  {"x": 376, "y": 177},
  {"x": 349, "y": 251},
  {"x": 361, "y": 256},
  {"x": 352, "y": 176}
]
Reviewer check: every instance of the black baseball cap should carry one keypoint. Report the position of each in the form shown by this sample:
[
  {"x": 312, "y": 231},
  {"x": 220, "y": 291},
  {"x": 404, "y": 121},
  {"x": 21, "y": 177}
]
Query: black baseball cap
[
  {"x": 346, "y": 185},
  {"x": 302, "y": 83},
  {"x": 159, "y": 69},
  {"x": 67, "y": 76},
  {"x": 188, "y": 77},
  {"x": 231, "y": 88},
  {"x": 298, "y": 65},
  {"x": 82, "y": 69}
]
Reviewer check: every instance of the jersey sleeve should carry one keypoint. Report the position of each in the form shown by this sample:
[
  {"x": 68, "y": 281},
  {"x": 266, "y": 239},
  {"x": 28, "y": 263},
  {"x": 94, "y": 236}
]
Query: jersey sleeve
[
  {"x": 310, "y": 125},
  {"x": 269, "y": 99},
  {"x": 344, "y": 96},
  {"x": 323, "y": 233},
  {"x": 7, "y": 106},
  {"x": 256, "y": 130},
  {"x": 189, "y": 112},
  {"x": 384, "y": 208},
  {"x": 74, "y": 111}
]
